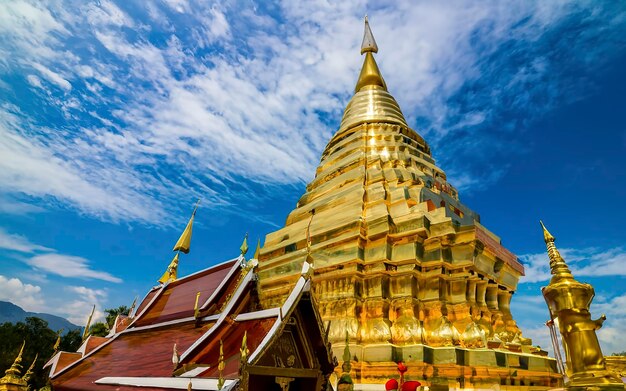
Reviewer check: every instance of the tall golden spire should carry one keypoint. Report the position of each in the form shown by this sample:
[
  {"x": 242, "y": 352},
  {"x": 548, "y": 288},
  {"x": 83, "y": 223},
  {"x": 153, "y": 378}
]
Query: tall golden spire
[
  {"x": 558, "y": 267},
  {"x": 182, "y": 245},
  {"x": 371, "y": 101},
  {"x": 185, "y": 239},
  {"x": 370, "y": 74}
]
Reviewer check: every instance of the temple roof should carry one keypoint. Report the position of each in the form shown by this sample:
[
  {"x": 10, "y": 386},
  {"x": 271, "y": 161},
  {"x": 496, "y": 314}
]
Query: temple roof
[{"x": 170, "y": 343}]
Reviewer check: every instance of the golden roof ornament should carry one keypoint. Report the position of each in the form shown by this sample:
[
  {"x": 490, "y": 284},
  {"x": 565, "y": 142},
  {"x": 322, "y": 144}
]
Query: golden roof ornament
[
  {"x": 171, "y": 274},
  {"x": 370, "y": 74},
  {"x": 88, "y": 325},
  {"x": 57, "y": 344},
  {"x": 244, "y": 246},
  {"x": 220, "y": 367},
  {"x": 29, "y": 372},
  {"x": 184, "y": 241},
  {"x": 244, "y": 351}
]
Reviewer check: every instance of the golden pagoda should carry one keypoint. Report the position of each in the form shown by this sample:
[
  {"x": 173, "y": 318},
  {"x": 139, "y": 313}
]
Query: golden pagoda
[{"x": 400, "y": 264}]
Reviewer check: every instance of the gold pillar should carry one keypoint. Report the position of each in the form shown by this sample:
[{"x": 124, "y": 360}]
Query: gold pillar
[{"x": 569, "y": 301}]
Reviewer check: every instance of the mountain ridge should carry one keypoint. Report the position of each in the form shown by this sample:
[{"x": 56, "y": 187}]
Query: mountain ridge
[{"x": 12, "y": 313}]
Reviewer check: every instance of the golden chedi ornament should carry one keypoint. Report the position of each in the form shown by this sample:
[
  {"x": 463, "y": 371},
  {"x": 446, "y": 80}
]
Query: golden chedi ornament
[
  {"x": 400, "y": 263},
  {"x": 569, "y": 301}
]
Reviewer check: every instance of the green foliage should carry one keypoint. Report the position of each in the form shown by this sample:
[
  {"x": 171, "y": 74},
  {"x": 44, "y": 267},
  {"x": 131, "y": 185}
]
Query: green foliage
[
  {"x": 99, "y": 329},
  {"x": 619, "y": 354},
  {"x": 112, "y": 313},
  {"x": 71, "y": 341},
  {"x": 39, "y": 339}
]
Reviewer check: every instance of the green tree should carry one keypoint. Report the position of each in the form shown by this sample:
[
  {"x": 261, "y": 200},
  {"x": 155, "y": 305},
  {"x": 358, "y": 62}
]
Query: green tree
[
  {"x": 99, "y": 329},
  {"x": 39, "y": 339},
  {"x": 71, "y": 341}
]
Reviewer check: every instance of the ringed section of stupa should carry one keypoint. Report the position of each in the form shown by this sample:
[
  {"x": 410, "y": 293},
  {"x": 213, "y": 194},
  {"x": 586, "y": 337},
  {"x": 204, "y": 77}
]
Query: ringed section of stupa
[{"x": 401, "y": 265}]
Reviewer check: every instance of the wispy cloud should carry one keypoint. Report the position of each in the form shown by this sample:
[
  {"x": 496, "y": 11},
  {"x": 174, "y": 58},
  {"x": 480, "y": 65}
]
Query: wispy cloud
[
  {"x": 587, "y": 262},
  {"x": 144, "y": 112},
  {"x": 27, "y": 296},
  {"x": 19, "y": 243},
  {"x": 69, "y": 266}
]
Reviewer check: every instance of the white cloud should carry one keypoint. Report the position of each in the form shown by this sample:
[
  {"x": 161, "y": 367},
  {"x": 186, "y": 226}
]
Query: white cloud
[
  {"x": 24, "y": 295},
  {"x": 53, "y": 77},
  {"x": 77, "y": 310},
  {"x": 69, "y": 266},
  {"x": 587, "y": 262},
  {"x": 18, "y": 243}
]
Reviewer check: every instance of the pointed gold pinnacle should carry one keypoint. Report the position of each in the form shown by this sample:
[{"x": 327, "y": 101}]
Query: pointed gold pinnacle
[
  {"x": 558, "y": 267},
  {"x": 370, "y": 75},
  {"x": 184, "y": 242}
]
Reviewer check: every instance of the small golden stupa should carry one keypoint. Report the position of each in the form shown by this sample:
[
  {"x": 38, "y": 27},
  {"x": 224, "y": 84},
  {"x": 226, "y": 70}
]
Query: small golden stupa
[
  {"x": 12, "y": 379},
  {"x": 400, "y": 263},
  {"x": 569, "y": 301}
]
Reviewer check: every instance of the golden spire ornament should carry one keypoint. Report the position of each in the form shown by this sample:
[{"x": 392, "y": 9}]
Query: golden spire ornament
[
  {"x": 569, "y": 301},
  {"x": 86, "y": 331},
  {"x": 182, "y": 245},
  {"x": 370, "y": 75},
  {"x": 244, "y": 246},
  {"x": 184, "y": 241}
]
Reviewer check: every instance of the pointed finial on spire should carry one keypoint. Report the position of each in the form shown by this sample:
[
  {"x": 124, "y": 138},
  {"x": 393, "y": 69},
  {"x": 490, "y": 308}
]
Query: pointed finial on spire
[
  {"x": 370, "y": 74},
  {"x": 184, "y": 241},
  {"x": 558, "y": 267},
  {"x": 86, "y": 331},
  {"x": 369, "y": 43}
]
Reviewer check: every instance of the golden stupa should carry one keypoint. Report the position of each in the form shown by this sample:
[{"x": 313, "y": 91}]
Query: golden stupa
[{"x": 400, "y": 263}]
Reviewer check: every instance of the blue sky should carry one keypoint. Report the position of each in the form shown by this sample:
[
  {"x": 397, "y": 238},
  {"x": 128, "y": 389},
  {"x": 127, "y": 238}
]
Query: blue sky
[{"x": 116, "y": 116}]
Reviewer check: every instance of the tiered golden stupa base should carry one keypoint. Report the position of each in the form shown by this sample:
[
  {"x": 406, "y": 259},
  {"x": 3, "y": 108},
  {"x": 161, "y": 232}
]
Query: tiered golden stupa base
[{"x": 444, "y": 368}]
